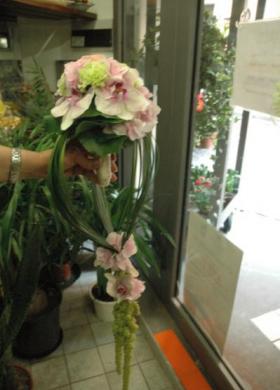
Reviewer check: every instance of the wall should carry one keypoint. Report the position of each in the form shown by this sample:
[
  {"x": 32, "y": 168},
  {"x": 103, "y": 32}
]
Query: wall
[{"x": 49, "y": 41}]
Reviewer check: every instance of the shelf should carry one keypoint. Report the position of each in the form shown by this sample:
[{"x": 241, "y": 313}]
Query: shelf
[{"x": 37, "y": 9}]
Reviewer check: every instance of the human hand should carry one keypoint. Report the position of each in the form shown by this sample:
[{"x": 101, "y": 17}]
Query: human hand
[{"x": 78, "y": 162}]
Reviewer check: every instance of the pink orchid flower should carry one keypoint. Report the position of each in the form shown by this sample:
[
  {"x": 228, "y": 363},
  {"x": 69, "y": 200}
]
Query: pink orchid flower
[
  {"x": 139, "y": 127},
  {"x": 150, "y": 114},
  {"x": 104, "y": 258},
  {"x": 117, "y": 261},
  {"x": 117, "y": 69},
  {"x": 124, "y": 287},
  {"x": 121, "y": 259},
  {"x": 122, "y": 96},
  {"x": 115, "y": 240},
  {"x": 72, "y": 107}
]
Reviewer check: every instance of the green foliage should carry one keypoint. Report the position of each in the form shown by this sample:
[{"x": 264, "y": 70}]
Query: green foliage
[
  {"x": 102, "y": 144},
  {"x": 18, "y": 277},
  {"x": 232, "y": 181},
  {"x": 38, "y": 98},
  {"x": 203, "y": 189},
  {"x": 216, "y": 72}
]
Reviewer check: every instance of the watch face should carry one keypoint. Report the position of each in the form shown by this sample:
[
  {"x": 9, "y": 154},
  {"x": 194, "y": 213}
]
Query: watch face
[{"x": 78, "y": 41}]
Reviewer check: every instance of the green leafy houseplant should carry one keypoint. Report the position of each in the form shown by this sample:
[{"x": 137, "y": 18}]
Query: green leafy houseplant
[
  {"x": 203, "y": 189},
  {"x": 25, "y": 209},
  {"x": 216, "y": 70},
  {"x": 19, "y": 272},
  {"x": 232, "y": 181}
]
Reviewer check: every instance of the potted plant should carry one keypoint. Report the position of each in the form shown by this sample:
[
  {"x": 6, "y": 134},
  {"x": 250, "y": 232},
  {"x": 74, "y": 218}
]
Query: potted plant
[
  {"x": 146, "y": 232},
  {"x": 20, "y": 265},
  {"x": 213, "y": 111},
  {"x": 203, "y": 189},
  {"x": 232, "y": 184},
  {"x": 40, "y": 333}
]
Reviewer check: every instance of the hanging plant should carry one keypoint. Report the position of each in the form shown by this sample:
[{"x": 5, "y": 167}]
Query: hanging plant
[{"x": 104, "y": 106}]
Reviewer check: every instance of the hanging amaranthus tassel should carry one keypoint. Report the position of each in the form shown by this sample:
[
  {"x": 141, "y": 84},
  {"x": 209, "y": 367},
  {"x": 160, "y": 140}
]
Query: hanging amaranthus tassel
[{"x": 124, "y": 329}]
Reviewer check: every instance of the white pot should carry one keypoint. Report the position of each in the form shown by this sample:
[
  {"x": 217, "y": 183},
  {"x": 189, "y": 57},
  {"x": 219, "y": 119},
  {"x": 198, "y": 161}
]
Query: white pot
[{"x": 103, "y": 309}]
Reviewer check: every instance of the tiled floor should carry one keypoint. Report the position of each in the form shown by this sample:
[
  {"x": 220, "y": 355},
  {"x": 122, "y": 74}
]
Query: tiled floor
[{"x": 85, "y": 360}]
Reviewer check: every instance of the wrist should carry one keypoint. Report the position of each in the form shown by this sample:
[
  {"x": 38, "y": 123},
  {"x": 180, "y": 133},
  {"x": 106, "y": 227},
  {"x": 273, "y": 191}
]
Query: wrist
[
  {"x": 35, "y": 164},
  {"x": 43, "y": 162}
]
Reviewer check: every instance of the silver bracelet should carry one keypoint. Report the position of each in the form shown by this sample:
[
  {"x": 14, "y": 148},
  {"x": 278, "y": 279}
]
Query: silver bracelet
[{"x": 15, "y": 165}]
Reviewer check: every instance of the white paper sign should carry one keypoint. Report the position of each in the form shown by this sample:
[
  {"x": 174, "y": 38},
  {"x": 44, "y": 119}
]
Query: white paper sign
[
  {"x": 210, "y": 279},
  {"x": 257, "y": 67}
]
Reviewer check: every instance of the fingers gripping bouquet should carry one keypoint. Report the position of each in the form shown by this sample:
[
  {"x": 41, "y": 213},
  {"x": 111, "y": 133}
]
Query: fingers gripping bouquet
[{"x": 103, "y": 105}]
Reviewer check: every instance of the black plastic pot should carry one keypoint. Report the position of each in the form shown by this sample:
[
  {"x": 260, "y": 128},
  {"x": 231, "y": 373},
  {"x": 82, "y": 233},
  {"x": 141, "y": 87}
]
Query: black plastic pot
[
  {"x": 41, "y": 334},
  {"x": 54, "y": 275}
]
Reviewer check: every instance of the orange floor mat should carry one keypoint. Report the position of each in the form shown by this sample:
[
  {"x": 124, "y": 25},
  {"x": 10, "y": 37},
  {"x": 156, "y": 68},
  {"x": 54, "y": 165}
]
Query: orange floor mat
[{"x": 185, "y": 368}]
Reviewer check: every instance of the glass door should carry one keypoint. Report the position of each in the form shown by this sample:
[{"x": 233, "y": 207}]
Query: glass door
[
  {"x": 212, "y": 192},
  {"x": 228, "y": 275}
]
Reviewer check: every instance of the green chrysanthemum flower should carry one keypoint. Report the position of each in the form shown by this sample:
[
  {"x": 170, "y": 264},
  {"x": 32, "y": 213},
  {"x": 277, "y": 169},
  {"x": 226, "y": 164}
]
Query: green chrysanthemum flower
[
  {"x": 61, "y": 86},
  {"x": 93, "y": 74}
]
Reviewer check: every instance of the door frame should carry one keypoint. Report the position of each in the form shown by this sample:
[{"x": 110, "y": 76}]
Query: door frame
[{"x": 181, "y": 27}]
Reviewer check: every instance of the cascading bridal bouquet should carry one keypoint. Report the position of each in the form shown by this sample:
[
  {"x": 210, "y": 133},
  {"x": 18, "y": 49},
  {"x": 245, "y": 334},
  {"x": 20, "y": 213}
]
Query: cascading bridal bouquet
[{"x": 104, "y": 106}]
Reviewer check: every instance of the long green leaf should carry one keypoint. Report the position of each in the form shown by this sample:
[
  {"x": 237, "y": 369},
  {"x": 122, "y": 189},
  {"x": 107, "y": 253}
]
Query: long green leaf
[{"x": 58, "y": 188}]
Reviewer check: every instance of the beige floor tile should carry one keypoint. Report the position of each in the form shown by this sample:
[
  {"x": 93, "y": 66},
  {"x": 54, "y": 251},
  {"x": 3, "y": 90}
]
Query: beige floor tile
[
  {"x": 72, "y": 293},
  {"x": 84, "y": 364},
  {"x": 155, "y": 376},
  {"x": 72, "y": 298},
  {"x": 75, "y": 317},
  {"x": 56, "y": 353},
  {"x": 89, "y": 309},
  {"x": 142, "y": 350},
  {"x": 107, "y": 353},
  {"x": 96, "y": 383},
  {"x": 102, "y": 332},
  {"x": 63, "y": 388},
  {"x": 49, "y": 374},
  {"x": 78, "y": 338},
  {"x": 137, "y": 381},
  {"x": 87, "y": 278}
]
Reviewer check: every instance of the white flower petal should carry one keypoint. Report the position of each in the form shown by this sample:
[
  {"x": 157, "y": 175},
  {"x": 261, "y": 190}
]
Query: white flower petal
[
  {"x": 136, "y": 102},
  {"x": 82, "y": 105},
  {"x": 67, "y": 121},
  {"x": 108, "y": 106},
  {"x": 60, "y": 108}
]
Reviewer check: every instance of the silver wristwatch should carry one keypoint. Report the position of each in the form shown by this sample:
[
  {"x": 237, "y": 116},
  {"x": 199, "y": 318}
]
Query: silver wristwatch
[{"x": 15, "y": 165}]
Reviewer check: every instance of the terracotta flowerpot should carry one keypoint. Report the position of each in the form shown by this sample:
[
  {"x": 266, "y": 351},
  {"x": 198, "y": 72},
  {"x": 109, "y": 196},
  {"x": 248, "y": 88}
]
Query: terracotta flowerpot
[
  {"x": 23, "y": 377},
  {"x": 208, "y": 142},
  {"x": 67, "y": 271},
  {"x": 103, "y": 308}
]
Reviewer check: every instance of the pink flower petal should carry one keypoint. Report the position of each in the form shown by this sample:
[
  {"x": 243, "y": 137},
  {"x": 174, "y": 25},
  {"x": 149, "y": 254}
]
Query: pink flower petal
[
  {"x": 124, "y": 287},
  {"x": 115, "y": 239},
  {"x": 129, "y": 248},
  {"x": 104, "y": 258}
]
